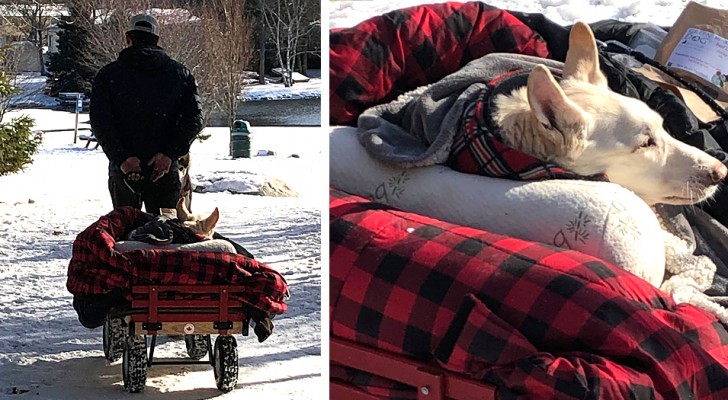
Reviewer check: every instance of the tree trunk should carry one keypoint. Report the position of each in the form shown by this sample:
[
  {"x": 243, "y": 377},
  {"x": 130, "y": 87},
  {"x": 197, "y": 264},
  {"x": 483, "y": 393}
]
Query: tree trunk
[
  {"x": 261, "y": 63},
  {"x": 231, "y": 117},
  {"x": 41, "y": 42},
  {"x": 283, "y": 65},
  {"x": 290, "y": 64},
  {"x": 42, "y": 64}
]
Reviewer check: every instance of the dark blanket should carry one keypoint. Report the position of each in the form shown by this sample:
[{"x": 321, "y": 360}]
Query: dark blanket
[
  {"x": 537, "y": 321},
  {"x": 97, "y": 271},
  {"x": 164, "y": 230}
]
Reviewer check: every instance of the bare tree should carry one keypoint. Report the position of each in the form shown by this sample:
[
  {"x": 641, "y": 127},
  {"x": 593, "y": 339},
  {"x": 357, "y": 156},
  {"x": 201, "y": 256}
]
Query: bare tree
[
  {"x": 212, "y": 39},
  {"x": 288, "y": 23},
  {"x": 11, "y": 79},
  {"x": 8, "y": 73},
  {"x": 32, "y": 17},
  {"x": 230, "y": 47}
]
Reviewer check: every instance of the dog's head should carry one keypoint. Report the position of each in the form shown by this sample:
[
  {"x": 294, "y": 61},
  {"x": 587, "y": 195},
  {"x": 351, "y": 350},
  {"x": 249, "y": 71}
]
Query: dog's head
[
  {"x": 203, "y": 226},
  {"x": 582, "y": 125}
]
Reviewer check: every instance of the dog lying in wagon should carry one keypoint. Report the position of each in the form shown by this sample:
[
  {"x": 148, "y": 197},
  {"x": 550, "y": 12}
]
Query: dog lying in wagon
[
  {"x": 555, "y": 282},
  {"x": 139, "y": 275}
]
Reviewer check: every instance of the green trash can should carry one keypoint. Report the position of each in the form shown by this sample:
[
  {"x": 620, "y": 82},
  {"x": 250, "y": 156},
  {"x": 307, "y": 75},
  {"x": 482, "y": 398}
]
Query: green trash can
[{"x": 240, "y": 137}]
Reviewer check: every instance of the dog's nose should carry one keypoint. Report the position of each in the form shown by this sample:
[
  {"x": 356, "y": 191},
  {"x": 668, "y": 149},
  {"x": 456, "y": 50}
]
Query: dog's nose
[{"x": 718, "y": 173}]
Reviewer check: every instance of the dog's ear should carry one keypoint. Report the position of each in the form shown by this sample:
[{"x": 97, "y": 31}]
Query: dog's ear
[
  {"x": 562, "y": 121},
  {"x": 549, "y": 102},
  {"x": 209, "y": 223},
  {"x": 183, "y": 214},
  {"x": 582, "y": 58}
]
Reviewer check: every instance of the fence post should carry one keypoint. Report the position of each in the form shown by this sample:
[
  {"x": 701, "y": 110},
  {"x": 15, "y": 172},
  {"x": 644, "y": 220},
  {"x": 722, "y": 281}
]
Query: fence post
[{"x": 79, "y": 107}]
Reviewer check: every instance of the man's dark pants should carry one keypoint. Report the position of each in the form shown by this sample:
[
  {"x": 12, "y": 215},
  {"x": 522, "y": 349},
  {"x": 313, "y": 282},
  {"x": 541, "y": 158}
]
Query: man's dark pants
[{"x": 163, "y": 193}]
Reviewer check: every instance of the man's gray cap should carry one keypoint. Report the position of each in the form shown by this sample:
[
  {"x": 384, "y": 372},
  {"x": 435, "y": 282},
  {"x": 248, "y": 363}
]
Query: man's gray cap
[{"x": 144, "y": 23}]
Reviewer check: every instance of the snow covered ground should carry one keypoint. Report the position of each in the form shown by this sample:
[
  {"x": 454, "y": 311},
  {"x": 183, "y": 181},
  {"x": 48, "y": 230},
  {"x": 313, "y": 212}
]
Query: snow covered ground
[
  {"x": 32, "y": 95},
  {"x": 300, "y": 90},
  {"x": 46, "y": 354},
  {"x": 660, "y": 12},
  {"x": 33, "y": 84},
  {"x": 277, "y": 91}
]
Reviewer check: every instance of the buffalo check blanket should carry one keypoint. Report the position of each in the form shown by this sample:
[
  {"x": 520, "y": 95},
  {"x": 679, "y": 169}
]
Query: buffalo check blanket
[
  {"x": 96, "y": 268},
  {"x": 536, "y": 321},
  {"x": 386, "y": 56}
]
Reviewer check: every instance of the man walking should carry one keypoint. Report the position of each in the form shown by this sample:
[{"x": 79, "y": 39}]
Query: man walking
[{"x": 145, "y": 113}]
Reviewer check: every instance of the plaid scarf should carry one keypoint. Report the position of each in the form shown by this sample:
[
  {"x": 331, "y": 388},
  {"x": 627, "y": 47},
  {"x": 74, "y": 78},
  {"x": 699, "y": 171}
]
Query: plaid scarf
[{"x": 478, "y": 146}]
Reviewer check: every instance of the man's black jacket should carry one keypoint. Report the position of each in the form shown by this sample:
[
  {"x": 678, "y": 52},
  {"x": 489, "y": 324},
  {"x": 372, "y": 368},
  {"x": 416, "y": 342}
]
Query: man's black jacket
[{"x": 145, "y": 103}]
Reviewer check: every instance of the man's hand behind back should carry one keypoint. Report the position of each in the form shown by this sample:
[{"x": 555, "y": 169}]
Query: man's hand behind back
[
  {"x": 130, "y": 165},
  {"x": 160, "y": 164}
]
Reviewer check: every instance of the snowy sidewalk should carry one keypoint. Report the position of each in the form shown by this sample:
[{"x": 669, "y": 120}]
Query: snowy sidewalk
[{"x": 46, "y": 354}]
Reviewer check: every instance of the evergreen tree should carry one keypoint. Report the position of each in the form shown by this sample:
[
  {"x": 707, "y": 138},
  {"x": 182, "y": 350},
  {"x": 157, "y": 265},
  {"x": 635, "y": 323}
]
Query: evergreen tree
[
  {"x": 69, "y": 71},
  {"x": 17, "y": 141}
]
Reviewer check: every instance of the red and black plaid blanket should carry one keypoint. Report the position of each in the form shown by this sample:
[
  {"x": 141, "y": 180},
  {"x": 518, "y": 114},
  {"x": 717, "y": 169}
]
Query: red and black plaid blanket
[
  {"x": 539, "y": 322},
  {"x": 386, "y": 56},
  {"x": 96, "y": 268}
]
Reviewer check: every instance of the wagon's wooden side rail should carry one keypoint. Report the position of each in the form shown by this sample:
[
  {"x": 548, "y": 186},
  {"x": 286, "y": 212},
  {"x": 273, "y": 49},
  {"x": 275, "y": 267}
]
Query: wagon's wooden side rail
[
  {"x": 431, "y": 383},
  {"x": 195, "y": 311},
  {"x": 224, "y": 311}
]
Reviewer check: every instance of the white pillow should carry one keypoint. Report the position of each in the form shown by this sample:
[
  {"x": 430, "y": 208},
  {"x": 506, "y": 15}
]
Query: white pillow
[{"x": 601, "y": 219}]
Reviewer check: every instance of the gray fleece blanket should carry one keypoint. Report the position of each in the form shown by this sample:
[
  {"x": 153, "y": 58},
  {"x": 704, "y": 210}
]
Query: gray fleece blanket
[
  {"x": 707, "y": 237},
  {"x": 418, "y": 128}
]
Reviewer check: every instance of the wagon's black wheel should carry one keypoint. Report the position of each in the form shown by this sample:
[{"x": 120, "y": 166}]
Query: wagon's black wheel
[
  {"x": 226, "y": 362},
  {"x": 196, "y": 346},
  {"x": 113, "y": 338},
  {"x": 134, "y": 364}
]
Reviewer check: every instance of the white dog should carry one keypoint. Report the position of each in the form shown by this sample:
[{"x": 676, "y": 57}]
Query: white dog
[
  {"x": 199, "y": 224},
  {"x": 586, "y": 128}
]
